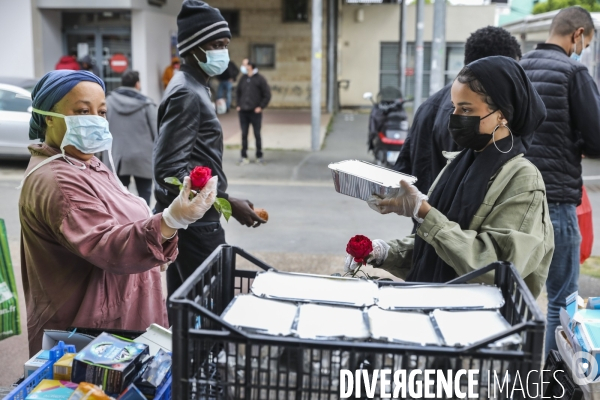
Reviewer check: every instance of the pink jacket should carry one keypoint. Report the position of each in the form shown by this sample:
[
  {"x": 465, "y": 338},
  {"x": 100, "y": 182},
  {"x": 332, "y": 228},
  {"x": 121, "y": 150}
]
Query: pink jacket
[{"x": 90, "y": 252}]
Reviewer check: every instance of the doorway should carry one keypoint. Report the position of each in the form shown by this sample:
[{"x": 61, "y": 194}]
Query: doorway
[{"x": 101, "y": 36}]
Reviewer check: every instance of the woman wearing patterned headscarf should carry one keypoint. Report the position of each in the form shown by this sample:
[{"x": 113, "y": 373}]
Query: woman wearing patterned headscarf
[
  {"x": 489, "y": 203},
  {"x": 91, "y": 251}
]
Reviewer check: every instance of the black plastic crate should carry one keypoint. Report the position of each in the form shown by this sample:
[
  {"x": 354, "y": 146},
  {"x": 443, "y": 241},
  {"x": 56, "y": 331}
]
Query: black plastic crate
[{"x": 214, "y": 360}]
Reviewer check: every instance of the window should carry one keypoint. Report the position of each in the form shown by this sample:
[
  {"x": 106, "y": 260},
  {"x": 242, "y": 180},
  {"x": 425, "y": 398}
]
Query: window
[
  {"x": 263, "y": 55},
  {"x": 388, "y": 66},
  {"x": 11, "y": 101},
  {"x": 233, "y": 19},
  {"x": 295, "y": 10}
]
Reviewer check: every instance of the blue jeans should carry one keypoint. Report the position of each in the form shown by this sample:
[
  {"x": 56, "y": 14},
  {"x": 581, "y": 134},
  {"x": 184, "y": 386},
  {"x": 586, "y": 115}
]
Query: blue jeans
[
  {"x": 224, "y": 92},
  {"x": 563, "y": 276}
]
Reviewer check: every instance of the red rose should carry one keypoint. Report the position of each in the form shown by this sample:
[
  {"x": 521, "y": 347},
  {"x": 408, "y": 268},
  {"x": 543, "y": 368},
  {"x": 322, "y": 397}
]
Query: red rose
[
  {"x": 359, "y": 247},
  {"x": 199, "y": 177}
]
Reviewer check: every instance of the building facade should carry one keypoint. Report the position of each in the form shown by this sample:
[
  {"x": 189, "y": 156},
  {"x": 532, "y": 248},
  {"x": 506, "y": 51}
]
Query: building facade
[
  {"x": 275, "y": 34},
  {"x": 116, "y": 33}
]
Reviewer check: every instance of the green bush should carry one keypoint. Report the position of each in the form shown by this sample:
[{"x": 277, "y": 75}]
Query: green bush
[{"x": 551, "y": 5}]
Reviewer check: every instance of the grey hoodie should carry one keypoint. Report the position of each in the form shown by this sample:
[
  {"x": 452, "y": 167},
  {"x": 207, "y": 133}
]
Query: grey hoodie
[{"x": 132, "y": 120}]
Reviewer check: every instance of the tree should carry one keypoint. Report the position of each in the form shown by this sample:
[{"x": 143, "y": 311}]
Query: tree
[{"x": 551, "y": 5}]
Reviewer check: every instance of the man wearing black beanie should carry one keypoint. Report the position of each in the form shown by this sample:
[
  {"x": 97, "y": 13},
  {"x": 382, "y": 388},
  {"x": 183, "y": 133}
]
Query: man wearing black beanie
[{"x": 190, "y": 135}]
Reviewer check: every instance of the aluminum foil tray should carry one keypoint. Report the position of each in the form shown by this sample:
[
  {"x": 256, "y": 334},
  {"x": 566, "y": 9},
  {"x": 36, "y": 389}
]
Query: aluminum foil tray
[
  {"x": 448, "y": 297},
  {"x": 256, "y": 315},
  {"x": 402, "y": 327},
  {"x": 329, "y": 322},
  {"x": 319, "y": 289},
  {"x": 463, "y": 328},
  {"x": 361, "y": 179}
]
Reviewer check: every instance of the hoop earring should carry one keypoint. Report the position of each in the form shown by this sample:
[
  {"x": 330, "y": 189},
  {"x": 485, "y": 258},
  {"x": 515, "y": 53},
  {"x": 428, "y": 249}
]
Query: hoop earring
[{"x": 512, "y": 140}]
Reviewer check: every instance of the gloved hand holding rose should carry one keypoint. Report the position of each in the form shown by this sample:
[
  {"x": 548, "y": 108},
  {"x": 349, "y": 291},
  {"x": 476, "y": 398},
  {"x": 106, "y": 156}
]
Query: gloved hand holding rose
[{"x": 362, "y": 250}]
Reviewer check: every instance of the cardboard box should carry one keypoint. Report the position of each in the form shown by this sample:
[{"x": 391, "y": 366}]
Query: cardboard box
[
  {"x": 63, "y": 367},
  {"x": 36, "y": 362},
  {"x": 52, "y": 389},
  {"x": 109, "y": 362}
]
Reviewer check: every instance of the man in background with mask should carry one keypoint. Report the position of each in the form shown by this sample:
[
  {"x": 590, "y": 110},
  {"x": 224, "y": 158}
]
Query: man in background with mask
[
  {"x": 190, "y": 135},
  {"x": 421, "y": 154},
  {"x": 571, "y": 129}
]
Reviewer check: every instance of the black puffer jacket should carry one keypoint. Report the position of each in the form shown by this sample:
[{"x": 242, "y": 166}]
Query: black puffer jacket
[
  {"x": 189, "y": 135},
  {"x": 572, "y": 125}
]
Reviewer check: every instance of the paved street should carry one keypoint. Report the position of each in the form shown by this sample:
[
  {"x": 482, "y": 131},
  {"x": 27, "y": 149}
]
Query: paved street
[{"x": 309, "y": 223}]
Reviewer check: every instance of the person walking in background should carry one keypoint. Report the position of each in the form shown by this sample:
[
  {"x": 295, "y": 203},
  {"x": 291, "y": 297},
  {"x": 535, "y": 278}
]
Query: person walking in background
[
  {"x": 226, "y": 80},
  {"x": 190, "y": 135},
  {"x": 88, "y": 64},
  {"x": 170, "y": 71},
  {"x": 244, "y": 66},
  {"x": 253, "y": 95},
  {"x": 132, "y": 120},
  {"x": 571, "y": 129},
  {"x": 421, "y": 154},
  {"x": 67, "y": 62}
]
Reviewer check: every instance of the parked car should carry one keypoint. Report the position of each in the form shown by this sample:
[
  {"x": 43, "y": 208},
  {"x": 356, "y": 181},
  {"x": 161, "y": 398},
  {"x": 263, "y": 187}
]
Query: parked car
[{"x": 15, "y": 112}]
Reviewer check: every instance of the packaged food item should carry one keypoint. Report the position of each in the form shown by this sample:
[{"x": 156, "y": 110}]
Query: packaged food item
[
  {"x": 262, "y": 213},
  {"x": 132, "y": 393},
  {"x": 52, "y": 389},
  {"x": 110, "y": 362},
  {"x": 154, "y": 374},
  {"x": 63, "y": 367},
  {"x": 87, "y": 391},
  {"x": 36, "y": 362}
]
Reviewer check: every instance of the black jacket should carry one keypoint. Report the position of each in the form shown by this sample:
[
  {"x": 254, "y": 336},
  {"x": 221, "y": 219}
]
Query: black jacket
[
  {"x": 189, "y": 135},
  {"x": 572, "y": 125},
  {"x": 421, "y": 154},
  {"x": 252, "y": 92}
]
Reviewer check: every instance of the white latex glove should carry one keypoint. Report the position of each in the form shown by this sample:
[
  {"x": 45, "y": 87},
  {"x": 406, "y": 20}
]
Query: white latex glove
[
  {"x": 378, "y": 255},
  {"x": 407, "y": 203},
  {"x": 184, "y": 211}
]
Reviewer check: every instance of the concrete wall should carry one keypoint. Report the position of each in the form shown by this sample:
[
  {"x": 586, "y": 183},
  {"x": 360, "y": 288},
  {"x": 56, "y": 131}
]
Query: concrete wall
[
  {"x": 359, "y": 49},
  {"x": 150, "y": 48},
  {"x": 261, "y": 22},
  {"x": 16, "y": 39}
]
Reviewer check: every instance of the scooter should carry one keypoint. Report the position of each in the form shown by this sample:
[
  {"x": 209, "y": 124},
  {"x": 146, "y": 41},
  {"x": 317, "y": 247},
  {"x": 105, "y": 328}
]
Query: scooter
[{"x": 388, "y": 125}]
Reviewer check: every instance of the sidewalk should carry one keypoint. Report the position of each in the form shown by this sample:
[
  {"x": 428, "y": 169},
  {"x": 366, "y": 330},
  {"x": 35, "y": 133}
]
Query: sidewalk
[{"x": 281, "y": 129}]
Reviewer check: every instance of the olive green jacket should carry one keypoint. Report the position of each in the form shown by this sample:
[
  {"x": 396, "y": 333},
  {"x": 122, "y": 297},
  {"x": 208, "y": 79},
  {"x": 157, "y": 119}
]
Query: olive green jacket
[{"x": 512, "y": 224}]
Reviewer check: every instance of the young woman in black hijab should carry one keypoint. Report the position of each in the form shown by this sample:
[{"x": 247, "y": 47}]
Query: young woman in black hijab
[{"x": 489, "y": 203}]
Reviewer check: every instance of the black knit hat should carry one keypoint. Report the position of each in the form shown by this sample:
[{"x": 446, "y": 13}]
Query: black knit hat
[{"x": 199, "y": 23}]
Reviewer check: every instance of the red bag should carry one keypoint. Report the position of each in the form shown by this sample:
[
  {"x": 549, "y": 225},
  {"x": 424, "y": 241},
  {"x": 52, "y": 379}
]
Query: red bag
[{"x": 586, "y": 226}]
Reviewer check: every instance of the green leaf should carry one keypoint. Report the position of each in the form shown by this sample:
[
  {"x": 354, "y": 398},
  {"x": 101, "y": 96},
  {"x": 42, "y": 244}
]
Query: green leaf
[
  {"x": 224, "y": 207},
  {"x": 174, "y": 181}
]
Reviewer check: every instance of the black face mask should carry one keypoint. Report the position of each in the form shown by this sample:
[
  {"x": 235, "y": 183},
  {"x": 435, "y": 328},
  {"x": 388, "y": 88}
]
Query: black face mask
[{"x": 465, "y": 131}]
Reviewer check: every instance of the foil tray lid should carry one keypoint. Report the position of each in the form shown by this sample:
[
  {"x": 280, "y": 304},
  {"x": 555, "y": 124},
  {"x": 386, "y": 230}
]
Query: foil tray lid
[
  {"x": 330, "y": 322},
  {"x": 255, "y": 314},
  {"x": 403, "y": 327},
  {"x": 460, "y": 297},
  {"x": 321, "y": 289},
  {"x": 373, "y": 173},
  {"x": 463, "y": 328}
]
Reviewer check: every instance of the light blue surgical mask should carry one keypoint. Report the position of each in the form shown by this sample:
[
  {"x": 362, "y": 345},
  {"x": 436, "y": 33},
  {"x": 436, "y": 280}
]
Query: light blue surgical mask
[
  {"x": 87, "y": 133},
  {"x": 575, "y": 56},
  {"x": 216, "y": 63},
  {"x": 244, "y": 70}
]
